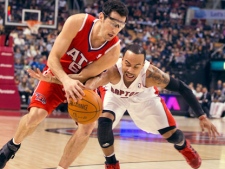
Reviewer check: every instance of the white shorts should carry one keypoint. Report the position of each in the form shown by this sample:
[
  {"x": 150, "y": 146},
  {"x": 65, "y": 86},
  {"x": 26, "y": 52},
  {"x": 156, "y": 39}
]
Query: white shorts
[{"x": 150, "y": 115}]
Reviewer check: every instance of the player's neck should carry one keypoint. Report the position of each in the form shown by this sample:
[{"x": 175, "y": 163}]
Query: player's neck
[
  {"x": 127, "y": 84},
  {"x": 96, "y": 38}
]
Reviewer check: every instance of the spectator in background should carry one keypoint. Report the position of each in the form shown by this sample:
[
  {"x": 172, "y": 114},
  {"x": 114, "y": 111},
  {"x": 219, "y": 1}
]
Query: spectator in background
[
  {"x": 19, "y": 40},
  {"x": 34, "y": 64},
  {"x": 17, "y": 53},
  {"x": 18, "y": 66},
  {"x": 42, "y": 63},
  {"x": 24, "y": 90},
  {"x": 26, "y": 65},
  {"x": 205, "y": 101},
  {"x": 223, "y": 89},
  {"x": 219, "y": 85},
  {"x": 45, "y": 52},
  {"x": 62, "y": 5},
  {"x": 198, "y": 92},
  {"x": 128, "y": 40},
  {"x": 218, "y": 97}
]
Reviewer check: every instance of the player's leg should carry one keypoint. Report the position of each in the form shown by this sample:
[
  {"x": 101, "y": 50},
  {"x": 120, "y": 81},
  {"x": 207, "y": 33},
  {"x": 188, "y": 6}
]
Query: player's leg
[
  {"x": 112, "y": 113},
  {"x": 76, "y": 144},
  {"x": 106, "y": 139},
  {"x": 176, "y": 137},
  {"x": 27, "y": 125},
  {"x": 29, "y": 122},
  {"x": 162, "y": 121}
]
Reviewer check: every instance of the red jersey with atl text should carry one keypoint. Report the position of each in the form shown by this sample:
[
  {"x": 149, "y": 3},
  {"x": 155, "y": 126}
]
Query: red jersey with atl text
[{"x": 80, "y": 52}]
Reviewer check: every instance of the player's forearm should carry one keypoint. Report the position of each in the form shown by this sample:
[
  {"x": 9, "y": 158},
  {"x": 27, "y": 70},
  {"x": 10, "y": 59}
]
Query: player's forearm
[
  {"x": 55, "y": 80},
  {"x": 56, "y": 68},
  {"x": 186, "y": 92},
  {"x": 95, "y": 82},
  {"x": 79, "y": 77}
]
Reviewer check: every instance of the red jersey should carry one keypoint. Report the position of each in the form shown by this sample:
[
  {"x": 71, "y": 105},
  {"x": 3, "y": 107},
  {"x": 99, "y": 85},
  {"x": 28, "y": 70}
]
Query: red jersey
[{"x": 80, "y": 52}]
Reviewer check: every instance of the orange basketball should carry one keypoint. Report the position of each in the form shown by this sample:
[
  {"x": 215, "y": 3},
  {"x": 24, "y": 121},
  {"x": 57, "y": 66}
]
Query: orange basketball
[{"x": 86, "y": 110}]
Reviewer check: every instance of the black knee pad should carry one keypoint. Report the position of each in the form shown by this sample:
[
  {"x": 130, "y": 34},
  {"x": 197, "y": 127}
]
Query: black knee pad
[
  {"x": 177, "y": 137},
  {"x": 104, "y": 132}
]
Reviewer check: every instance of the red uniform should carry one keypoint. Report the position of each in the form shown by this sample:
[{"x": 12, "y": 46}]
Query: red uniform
[{"x": 79, "y": 54}]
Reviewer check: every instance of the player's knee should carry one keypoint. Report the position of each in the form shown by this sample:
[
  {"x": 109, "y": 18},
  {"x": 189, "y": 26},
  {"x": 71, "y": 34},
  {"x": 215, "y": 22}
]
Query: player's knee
[
  {"x": 176, "y": 137},
  {"x": 85, "y": 129},
  {"x": 34, "y": 117},
  {"x": 31, "y": 121},
  {"x": 105, "y": 133}
]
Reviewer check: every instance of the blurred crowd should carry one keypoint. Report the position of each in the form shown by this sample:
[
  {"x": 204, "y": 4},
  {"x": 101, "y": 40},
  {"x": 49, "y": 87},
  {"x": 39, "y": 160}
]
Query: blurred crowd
[{"x": 157, "y": 25}]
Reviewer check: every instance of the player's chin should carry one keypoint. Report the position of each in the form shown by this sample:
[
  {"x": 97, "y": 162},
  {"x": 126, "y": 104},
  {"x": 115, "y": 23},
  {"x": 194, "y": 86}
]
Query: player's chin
[
  {"x": 109, "y": 37},
  {"x": 129, "y": 79}
]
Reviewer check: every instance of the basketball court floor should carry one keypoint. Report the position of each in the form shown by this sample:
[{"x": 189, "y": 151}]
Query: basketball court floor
[{"x": 134, "y": 149}]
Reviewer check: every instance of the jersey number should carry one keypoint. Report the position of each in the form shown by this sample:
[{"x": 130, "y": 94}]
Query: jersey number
[{"x": 78, "y": 60}]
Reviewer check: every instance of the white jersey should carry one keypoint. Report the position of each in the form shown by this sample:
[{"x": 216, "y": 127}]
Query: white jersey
[
  {"x": 145, "y": 106},
  {"x": 137, "y": 91}
]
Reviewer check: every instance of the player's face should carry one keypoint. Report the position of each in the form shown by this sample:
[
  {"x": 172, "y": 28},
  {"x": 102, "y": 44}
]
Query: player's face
[
  {"x": 112, "y": 25},
  {"x": 132, "y": 65}
]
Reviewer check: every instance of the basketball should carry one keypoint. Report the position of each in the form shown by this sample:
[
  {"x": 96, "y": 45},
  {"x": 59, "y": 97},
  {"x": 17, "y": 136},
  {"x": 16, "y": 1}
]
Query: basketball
[{"x": 86, "y": 110}]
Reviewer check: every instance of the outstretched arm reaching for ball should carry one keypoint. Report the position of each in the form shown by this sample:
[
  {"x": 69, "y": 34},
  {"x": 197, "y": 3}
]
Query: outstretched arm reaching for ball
[{"x": 92, "y": 83}]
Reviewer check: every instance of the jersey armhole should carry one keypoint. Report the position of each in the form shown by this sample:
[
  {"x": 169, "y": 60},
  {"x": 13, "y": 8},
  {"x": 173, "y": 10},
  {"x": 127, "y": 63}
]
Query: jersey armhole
[{"x": 112, "y": 46}]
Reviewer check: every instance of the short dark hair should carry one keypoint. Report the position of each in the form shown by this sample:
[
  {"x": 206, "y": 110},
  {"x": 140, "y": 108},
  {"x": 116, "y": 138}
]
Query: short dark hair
[
  {"x": 115, "y": 5},
  {"x": 137, "y": 49}
]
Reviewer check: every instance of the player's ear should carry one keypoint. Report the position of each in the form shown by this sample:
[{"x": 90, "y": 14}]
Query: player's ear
[{"x": 101, "y": 16}]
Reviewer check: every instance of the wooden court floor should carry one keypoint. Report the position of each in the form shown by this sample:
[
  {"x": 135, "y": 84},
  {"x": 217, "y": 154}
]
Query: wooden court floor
[{"x": 134, "y": 149}]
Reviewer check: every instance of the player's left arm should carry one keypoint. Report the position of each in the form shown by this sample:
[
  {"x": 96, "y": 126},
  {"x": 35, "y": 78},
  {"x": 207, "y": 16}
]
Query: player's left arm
[{"x": 156, "y": 77}]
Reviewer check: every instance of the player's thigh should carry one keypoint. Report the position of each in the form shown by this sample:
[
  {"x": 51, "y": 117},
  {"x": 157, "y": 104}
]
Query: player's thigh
[
  {"x": 114, "y": 106},
  {"x": 151, "y": 115}
]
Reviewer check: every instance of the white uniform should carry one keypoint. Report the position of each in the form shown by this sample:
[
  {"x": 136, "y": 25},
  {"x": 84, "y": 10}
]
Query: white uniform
[{"x": 144, "y": 105}]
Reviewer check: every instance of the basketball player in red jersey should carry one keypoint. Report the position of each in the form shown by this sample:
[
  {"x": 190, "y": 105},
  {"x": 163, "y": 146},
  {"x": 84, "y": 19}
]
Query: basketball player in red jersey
[
  {"x": 84, "y": 40},
  {"x": 131, "y": 85}
]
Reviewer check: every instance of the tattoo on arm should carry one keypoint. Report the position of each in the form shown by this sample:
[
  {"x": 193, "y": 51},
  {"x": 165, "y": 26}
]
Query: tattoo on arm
[{"x": 157, "y": 76}]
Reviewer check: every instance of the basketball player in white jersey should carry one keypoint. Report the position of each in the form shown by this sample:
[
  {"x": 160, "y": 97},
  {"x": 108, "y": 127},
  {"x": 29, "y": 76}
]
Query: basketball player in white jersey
[{"x": 131, "y": 85}]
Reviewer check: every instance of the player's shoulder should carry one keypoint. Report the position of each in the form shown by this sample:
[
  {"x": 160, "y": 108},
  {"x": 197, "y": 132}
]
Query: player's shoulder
[
  {"x": 77, "y": 18},
  {"x": 112, "y": 70}
]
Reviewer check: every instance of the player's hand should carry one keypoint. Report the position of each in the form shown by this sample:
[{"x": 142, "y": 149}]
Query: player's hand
[
  {"x": 205, "y": 123},
  {"x": 38, "y": 75},
  {"x": 73, "y": 89}
]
